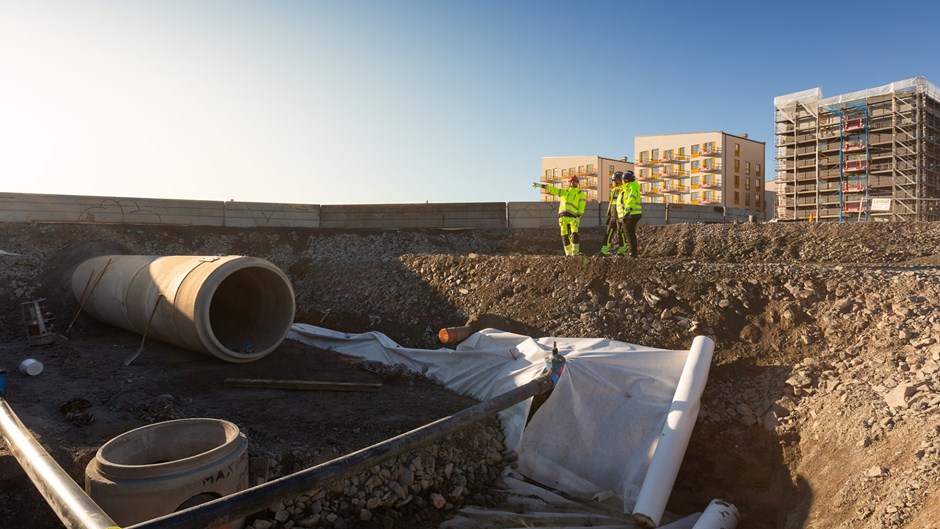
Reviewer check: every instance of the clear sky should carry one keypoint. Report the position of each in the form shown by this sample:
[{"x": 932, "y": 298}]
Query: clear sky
[{"x": 401, "y": 101}]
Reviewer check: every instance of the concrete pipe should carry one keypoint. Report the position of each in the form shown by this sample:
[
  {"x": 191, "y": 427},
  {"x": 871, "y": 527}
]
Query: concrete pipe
[
  {"x": 235, "y": 308},
  {"x": 166, "y": 467}
]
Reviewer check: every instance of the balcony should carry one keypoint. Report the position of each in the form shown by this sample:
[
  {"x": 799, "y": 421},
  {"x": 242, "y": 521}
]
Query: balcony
[
  {"x": 853, "y": 124},
  {"x": 852, "y": 167},
  {"x": 648, "y": 163},
  {"x": 676, "y": 189},
  {"x": 674, "y": 158},
  {"x": 651, "y": 176},
  {"x": 711, "y": 169},
  {"x": 673, "y": 174},
  {"x": 852, "y": 206},
  {"x": 649, "y": 192},
  {"x": 853, "y": 188},
  {"x": 854, "y": 146},
  {"x": 711, "y": 185},
  {"x": 710, "y": 152}
]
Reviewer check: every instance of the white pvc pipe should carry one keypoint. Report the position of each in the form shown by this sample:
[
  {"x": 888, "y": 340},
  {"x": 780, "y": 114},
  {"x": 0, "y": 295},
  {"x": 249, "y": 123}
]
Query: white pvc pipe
[
  {"x": 718, "y": 515},
  {"x": 674, "y": 439},
  {"x": 232, "y": 307}
]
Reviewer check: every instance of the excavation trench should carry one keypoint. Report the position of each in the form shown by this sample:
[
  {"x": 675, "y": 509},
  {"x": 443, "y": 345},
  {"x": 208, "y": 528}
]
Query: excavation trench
[{"x": 820, "y": 409}]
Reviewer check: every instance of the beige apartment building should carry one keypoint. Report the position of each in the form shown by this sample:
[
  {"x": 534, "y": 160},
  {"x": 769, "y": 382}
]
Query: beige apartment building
[
  {"x": 867, "y": 155},
  {"x": 701, "y": 168},
  {"x": 594, "y": 173}
]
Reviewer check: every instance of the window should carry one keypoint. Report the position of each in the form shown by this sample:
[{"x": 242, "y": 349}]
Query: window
[
  {"x": 564, "y": 173},
  {"x": 694, "y": 150},
  {"x": 695, "y": 179},
  {"x": 756, "y": 185},
  {"x": 747, "y": 199},
  {"x": 555, "y": 172},
  {"x": 548, "y": 172},
  {"x": 747, "y": 167},
  {"x": 757, "y": 201},
  {"x": 758, "y": 169},
  {"x": 571, "y": 171},
  {"x": 644, "y": 156},
  {"x": 580, "y": 169},
  {"x": 667, "y": 155},
  {"x": 737, "y": 180},
  {"x": 737, "y": 198},
  {"x": 654, "y": 155},
  {"x": 747, "y": 184},
  {"x": 610, "y": 170},
  {"x": 644, "y": 173},
  {"x": 737, "y": 166},
  {"x": 695, "y": 164},
  {"x": 681, "y": 152},
  {"x": 737, "y": 149}
]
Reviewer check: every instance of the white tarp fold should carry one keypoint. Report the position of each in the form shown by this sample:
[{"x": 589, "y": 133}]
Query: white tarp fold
[{"x": 597, "y": 432}]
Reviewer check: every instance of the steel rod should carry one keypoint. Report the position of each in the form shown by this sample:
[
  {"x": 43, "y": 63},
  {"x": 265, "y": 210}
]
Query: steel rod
[
  {"x": 70, "y": 503},
  {"x": 250, "y": 501}
]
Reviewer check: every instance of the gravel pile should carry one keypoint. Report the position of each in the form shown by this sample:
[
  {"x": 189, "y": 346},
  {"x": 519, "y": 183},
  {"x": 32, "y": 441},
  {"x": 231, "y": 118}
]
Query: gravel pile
[{"x": 415, "y": 490}]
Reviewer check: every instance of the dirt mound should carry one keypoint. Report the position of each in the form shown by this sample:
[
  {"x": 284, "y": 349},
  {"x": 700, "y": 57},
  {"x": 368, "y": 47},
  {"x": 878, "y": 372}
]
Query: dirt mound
[{"x": 823, "y": 405}]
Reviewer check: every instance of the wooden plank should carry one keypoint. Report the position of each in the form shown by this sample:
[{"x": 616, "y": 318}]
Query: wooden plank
[{"x": 303, "y": 385}]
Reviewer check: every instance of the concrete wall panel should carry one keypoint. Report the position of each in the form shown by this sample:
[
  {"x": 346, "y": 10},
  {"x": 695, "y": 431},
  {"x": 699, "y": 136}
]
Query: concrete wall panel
[
  {"x": 486, "y": 215},
  {"x": 256, "y": 214}
]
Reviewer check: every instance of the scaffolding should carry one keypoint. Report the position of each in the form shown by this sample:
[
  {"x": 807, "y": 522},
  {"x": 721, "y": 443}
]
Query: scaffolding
[{"x": 837, "y": 157}]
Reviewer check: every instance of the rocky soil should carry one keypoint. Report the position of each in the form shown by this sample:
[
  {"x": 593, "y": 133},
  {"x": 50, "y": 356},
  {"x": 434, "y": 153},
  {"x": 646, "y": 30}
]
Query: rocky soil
[{"x": 823, "y": 405}]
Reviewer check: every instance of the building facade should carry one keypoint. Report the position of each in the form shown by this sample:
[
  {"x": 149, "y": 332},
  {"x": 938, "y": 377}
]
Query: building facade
[
  {"x": 701, "y": 168},
  {"x": 594, "y": 174},
  {"x": 868, "y": 155}
]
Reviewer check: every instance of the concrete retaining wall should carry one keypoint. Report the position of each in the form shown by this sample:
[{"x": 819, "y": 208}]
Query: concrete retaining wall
[{"x": 485, "y": 215}]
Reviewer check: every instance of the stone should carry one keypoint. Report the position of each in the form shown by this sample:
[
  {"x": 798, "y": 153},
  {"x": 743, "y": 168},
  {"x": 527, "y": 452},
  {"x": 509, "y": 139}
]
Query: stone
[
  {"x": 365, "y": 515},
  {"x": 897, "y": 397},
  {"x": 438, "y": 501},
  {"x": 310, "y": 521},
  {"x": 743, "y": 409},
  {"x": 373, "y": 502},
  {"x": 876, "y": 471},
  {"x": 262, "y": 524},
  {"x": 282, "y": 515}
]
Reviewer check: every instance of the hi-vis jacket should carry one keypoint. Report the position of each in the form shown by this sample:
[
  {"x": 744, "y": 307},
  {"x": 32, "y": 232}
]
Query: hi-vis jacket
[
  {"x": 572, "y": 201},
  {"x": 628, "y": 202},
  {"x": 614, "y": 197}
]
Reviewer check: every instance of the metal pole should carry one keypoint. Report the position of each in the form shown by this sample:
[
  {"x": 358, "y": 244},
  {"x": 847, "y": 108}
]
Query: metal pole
[
  {"x": 247, "y": 502},
  {"x": 70, "y": 503}
]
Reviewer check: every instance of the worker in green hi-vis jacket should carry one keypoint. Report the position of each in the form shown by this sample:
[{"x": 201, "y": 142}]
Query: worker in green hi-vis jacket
[
  {"x": 630, "y": 209},
  {"x": 570, "y": 208}
]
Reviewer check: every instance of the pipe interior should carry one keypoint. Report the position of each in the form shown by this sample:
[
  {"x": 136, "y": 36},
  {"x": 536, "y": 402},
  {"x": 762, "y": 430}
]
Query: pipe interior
[
  {"x": 162, "y": 443},
  {"x": 251, "y": 310}
]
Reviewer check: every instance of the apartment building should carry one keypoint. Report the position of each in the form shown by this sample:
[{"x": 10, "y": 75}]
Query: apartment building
[
  {"x": 594, "y": 173},
  {"x": 867, "y": 155},
  {"x": 701, "y": 168}
]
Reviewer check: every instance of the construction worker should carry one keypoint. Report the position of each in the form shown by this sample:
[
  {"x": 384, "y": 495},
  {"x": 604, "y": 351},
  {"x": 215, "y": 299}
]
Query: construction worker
[
  {"x": 630, "y": 209},
  {"x": 613, "y": 219},
  {"x": 570, "y": 208}
]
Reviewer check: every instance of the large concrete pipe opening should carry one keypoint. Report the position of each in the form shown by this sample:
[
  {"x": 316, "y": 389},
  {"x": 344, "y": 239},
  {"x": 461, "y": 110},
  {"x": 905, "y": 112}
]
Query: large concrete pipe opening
[{"x": 235, "y": 308}]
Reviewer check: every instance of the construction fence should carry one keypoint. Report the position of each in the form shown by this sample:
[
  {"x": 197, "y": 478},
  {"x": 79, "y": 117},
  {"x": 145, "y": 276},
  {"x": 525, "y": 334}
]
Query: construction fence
[{"x": 38, "y": 208}]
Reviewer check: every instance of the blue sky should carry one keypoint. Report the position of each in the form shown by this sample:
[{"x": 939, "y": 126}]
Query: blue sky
[{"x": 353, "y": 102}]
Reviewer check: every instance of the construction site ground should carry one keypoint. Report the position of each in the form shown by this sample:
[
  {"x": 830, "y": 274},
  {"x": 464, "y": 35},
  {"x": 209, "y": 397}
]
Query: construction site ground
[{"x": 822, "y": 408}]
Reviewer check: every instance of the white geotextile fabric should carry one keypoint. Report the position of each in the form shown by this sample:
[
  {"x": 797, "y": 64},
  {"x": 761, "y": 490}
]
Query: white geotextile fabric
[{"x": 597, "y": 432}]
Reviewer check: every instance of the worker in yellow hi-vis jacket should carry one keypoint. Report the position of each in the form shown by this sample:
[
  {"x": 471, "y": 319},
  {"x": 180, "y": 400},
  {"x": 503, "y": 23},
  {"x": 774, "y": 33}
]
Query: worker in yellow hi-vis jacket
[
  {"x": 630, "y": 209},
  {"x": 615, "y": 234},
  {"x": 570, "y": 208}
]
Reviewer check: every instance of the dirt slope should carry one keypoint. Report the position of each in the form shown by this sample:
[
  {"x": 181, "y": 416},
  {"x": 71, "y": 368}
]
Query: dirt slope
[{"x": 823, "y": 406}]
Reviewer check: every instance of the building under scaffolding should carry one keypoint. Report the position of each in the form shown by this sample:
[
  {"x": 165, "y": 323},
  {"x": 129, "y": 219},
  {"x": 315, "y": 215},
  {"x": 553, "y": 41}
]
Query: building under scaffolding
[{"x": 868, "y": 155}]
